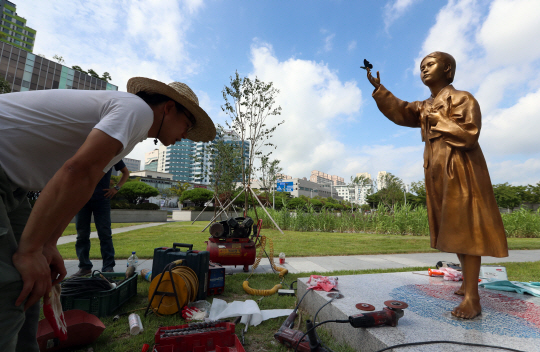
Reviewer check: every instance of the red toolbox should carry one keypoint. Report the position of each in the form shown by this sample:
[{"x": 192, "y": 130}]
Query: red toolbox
[{"x": 198, "y": 337}]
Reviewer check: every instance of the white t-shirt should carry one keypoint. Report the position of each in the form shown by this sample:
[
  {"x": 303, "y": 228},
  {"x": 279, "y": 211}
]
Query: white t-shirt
[{"x": 41, "y": 130}]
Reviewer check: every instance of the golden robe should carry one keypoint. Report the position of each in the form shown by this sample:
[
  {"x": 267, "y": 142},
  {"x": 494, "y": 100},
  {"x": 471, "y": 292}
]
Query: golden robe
[{"x": 462, "y": 212}]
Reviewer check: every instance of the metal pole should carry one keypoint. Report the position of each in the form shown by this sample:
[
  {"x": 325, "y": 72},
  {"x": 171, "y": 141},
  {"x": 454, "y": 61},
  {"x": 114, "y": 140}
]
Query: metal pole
[
  {"x": 258, "y": 200},
  {"x": 228, "y": 205},
  {"x": 201, "y": 212}
]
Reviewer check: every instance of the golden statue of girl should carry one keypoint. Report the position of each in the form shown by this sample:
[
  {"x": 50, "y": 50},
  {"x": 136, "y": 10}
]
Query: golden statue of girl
[{"x": 463, "y": 215}]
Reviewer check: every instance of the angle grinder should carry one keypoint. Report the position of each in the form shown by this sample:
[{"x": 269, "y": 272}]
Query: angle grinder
[{"x": 389, "y": 315}]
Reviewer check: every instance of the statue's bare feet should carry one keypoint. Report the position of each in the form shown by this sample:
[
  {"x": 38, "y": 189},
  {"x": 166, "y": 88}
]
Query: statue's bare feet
[
  {"x": 468, "y": 309},
  {"x": 461, "y": 290}
]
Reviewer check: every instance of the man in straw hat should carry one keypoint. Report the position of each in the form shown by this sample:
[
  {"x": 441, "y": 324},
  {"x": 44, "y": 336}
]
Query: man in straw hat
[{"x": 62, "y": 142}]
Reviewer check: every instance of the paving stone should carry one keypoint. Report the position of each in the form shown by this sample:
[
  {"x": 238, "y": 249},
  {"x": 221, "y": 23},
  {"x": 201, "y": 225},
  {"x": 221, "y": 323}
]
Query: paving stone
[{"x": 508, "y": 319}]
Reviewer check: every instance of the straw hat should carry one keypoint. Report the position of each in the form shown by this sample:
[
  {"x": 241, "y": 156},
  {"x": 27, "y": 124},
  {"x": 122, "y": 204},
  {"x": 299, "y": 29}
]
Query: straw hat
[{"x": 204, "y": 130}]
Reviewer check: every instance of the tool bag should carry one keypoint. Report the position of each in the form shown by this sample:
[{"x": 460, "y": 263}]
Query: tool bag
[{"x": 198, "y": 261}]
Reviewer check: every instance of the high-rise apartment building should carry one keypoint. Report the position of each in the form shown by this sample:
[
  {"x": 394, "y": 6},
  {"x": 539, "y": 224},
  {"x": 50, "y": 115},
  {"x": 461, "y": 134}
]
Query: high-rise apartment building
[
  {"x": 187, "y": 160},
  {"x": 381, "y": 180},
  {"x": 14, "y": 29},
  {"x": 321, "y": 177},
  {"x": 26, "y": 71}
]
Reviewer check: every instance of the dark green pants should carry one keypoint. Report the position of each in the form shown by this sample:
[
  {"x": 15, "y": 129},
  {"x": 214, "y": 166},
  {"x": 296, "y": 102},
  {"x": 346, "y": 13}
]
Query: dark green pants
[{"x": 18, "y": 329}]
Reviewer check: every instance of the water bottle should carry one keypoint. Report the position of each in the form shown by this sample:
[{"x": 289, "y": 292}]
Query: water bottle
[{"x": 133, "y": 261}]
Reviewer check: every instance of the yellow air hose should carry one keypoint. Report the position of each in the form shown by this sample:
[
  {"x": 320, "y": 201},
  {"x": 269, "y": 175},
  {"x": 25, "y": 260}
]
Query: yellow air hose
[{"x": 282, "y": 271}]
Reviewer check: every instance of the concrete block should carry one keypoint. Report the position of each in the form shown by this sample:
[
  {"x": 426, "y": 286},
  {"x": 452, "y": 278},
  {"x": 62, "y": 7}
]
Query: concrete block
[{"x": 189, "y": 215}]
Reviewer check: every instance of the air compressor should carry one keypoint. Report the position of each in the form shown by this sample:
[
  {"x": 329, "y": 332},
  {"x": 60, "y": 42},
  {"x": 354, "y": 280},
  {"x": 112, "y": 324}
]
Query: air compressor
[{"x": 230, "y": 242}]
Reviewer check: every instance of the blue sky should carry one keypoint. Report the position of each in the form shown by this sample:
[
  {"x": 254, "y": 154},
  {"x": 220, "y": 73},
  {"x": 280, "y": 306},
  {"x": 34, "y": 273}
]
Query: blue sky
[{"x": 311, "y": 51}]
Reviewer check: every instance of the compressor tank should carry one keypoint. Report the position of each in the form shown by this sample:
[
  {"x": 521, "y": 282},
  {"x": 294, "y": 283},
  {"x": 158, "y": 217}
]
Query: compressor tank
[{"x": 232, "y": 251}]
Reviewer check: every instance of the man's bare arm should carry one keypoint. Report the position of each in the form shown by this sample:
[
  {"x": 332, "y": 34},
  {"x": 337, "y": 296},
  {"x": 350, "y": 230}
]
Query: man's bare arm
[{"x": 63, "y": 196}]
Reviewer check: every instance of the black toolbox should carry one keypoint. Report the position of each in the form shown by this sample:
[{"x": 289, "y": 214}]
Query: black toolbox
[{"x": 198, "y": 261}]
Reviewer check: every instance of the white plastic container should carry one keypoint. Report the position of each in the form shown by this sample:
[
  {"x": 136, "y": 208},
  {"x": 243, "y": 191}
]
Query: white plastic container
[
  {"x": 493, "y": 272},
  {"x": 135, "y": 324}
]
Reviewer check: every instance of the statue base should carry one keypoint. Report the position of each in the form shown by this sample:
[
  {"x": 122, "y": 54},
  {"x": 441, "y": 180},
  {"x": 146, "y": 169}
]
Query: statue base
[{"x": 508, "y": 319}]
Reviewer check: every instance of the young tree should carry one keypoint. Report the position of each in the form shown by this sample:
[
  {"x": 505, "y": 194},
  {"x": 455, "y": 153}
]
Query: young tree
[
  {"x": 419, "y": 197},
  {"x": 364, "y": 183},
  {"x": 5, "y": 87},
  {"x": 58, "y": 58},
  {"x": 221, "y": 163},
  {"x": 393, "y": 191},
  {"x": 78, "y": 68},
  {"x": 269, "y": 171},
  {"x": 106, "y": 77},
  {"x": 93, "y": 73},
  {"x": 249, "y": 104}
]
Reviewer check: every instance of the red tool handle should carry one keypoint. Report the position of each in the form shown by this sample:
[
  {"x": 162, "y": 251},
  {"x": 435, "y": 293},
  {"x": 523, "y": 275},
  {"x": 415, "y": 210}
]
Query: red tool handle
[{"x": 51, "y": 319}]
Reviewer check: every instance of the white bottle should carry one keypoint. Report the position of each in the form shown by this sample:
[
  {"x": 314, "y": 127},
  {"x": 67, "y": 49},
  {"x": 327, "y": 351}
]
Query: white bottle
[{"x": 133, "y": 261}]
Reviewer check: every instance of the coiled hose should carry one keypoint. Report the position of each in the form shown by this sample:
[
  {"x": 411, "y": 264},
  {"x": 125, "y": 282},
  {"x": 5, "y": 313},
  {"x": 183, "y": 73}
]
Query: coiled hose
[{"x": 282, "y": 271}]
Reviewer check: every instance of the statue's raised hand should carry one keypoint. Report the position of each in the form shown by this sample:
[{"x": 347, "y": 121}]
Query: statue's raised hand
[{"x": 376, "y": 82}]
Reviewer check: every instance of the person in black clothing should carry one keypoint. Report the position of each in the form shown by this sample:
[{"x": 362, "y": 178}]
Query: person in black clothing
[{"x": 100, "y": 206}]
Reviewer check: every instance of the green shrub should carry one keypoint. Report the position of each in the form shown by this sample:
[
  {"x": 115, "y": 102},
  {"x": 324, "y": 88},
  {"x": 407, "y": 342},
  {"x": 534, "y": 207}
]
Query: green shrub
[
  {"x": 404, "y": 220},
  {"x": 121, "y": 204},
  {"x": 147, "y": 206}
]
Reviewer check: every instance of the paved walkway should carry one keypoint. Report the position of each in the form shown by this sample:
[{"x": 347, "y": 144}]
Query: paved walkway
[{"x": 322, "y": 264}]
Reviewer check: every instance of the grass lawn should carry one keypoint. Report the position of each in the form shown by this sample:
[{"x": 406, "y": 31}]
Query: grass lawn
[
  {"x": 260, "y": 338},
  {"x": 71, "y": 230},
  {"x": 292, "y": 243}
]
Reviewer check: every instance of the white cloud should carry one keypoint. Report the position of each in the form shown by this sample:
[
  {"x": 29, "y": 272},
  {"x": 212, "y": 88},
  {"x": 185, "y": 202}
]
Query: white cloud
[
  {"x": 515, "y": 129},
  {"x": 126, "y": 39},
  {"x": 498, "y": 61},
  {"x": 352, "y": 45},
  {"x": 395, "y": 9},
  {"x": 328, "y": 41},
  {"x": 515, "y": 172},
  {"x": 315, "y": 104}
]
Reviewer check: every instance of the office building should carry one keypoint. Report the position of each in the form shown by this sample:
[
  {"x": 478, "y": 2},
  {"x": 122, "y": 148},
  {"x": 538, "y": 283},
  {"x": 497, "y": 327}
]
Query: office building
[
  {"x": 14, "y": 28},
  {"x": 133, "y": 165},
  {"x": 321, "y": 177},
  {"x": 190, "y": 161},
  {"x": 302, "y": 187},
  {"x": 25, "y": 71},
  {"x": 160, "y": 180},
  {"x": 151, "y": 160}
]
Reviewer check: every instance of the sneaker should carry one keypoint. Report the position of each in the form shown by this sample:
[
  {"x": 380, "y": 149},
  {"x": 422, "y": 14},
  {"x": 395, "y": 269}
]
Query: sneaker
[
  {"x": 82, "y": 272},
  {"x": 110, "y": 270}
]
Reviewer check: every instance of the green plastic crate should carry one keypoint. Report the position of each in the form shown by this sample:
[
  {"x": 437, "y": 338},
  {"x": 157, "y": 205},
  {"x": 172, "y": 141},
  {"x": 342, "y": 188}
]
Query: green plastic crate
[{"x": 105, "y": 302}]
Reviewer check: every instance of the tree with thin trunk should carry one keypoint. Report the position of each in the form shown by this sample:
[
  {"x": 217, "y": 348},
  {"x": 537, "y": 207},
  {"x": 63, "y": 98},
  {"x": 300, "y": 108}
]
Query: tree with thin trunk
[
  {"x": 269, "y": 173},
  {"x": 221, "y": 164},
  {"x": 392, "y": 190},
  {"x": 250, "y": 104}
]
